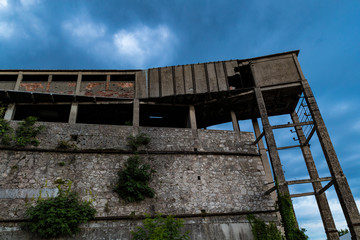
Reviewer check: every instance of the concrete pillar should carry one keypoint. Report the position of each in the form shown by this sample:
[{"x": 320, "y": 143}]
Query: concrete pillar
[
  {"x": 10, "y": 112},
  {"x": 73, "y": 113},
  {"x": 192, "y": 117},
  {"x": 271, "y": 144},
  {"x": 49, "y": 83},
  {"x": 235, "y": 123},
  {"x": 263, "y": 155},
  {"x": 136, "y": 113},
  {"x": 341, "y": 185},
  {"x": 323, "y": 205},
  {"x": 78, "y": 83},
  {"x": 75, "y": 106},
  {"x": 18, "y": 81}
]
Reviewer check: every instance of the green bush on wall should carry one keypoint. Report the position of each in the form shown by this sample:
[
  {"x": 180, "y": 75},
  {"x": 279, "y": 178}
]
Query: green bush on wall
[
  {"x": 58, "y": 216},
  {"x": 132, "y": 185},
  {"x": 133, "y": 179},
  {"x": 134, "y": 142},
  {"x": 24, "y": 134}
]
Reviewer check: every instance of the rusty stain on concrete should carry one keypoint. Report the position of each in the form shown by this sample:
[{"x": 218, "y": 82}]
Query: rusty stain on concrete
[
  {"x": 48, "y": 87},
  {"x": 89, "y": 86},
  {"x": 125, "y": 84},
  {"x": 31, "y": 86}
]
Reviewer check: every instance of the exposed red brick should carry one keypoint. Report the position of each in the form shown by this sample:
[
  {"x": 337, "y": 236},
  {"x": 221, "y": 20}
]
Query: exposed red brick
[{"x": 31, "y": 86}]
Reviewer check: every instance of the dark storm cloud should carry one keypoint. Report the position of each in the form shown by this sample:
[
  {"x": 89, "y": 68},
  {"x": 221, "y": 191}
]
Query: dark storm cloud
[{"x": 89, "y": 34}]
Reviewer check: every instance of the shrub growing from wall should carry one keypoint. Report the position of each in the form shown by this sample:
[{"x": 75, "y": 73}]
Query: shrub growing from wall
[
  {"x": 58, "y": 216},
  {"x": 134, "y": 178}
]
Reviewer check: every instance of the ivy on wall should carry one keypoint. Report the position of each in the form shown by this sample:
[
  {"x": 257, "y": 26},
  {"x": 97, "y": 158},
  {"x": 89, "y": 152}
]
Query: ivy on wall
[
  {"x": 24, "y": 135},
  {"x": 292, "y": 232},
  {"x": 263, "y": 231}
]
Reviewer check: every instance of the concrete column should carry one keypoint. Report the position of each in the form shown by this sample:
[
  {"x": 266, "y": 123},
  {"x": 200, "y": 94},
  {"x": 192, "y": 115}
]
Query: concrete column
[
  {"x": 18, "y": 81},
  {"x": 73, "y": 113},
  {"x": 78, "y": 83},
  {"x": 49, "y": 83},
  {"x": 271, "y": 144},
  {"x": 192, "y": 117},
  {"x": 341, "y": 185},
  {"x": 263, "y": 155},
  {"x": 235, "y": 123},
  {"x": 136, "y": 113},
  {"x": 75, "y": 106},
  {"x": 323, "y": 205},
  {"x": 10, "y": 112}
]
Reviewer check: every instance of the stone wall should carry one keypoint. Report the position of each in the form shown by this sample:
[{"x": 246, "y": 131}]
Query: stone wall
[
  {"x": 112, "y": 137},
  {"x": 209, "y": 228},
  {"x": 205, "y": 170}
]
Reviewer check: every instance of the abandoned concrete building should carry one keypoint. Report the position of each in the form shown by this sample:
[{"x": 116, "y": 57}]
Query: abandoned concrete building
[{"x": 210, "y": 178}]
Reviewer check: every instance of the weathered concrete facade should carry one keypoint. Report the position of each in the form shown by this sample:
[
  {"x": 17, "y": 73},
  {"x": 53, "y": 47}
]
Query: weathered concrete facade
[{"x": 225, "y": 174}]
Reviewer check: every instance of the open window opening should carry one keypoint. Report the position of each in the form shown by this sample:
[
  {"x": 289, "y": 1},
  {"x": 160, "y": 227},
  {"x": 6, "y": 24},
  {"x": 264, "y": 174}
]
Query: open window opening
[
  {"x": 122, "y": 78},
  {"x": 242, "y": 79},
  {"x": 111, "y": 114},
  {"x": 92, "y": 78},
  {"x": 8, "y": 81},
  {"x": 164, "y": 116},
  {"x": 222, "y": 126},
  {"x": 44, "y": 113},
  {"x": 35, "y": 78},
  {"x": 64, "y": 78},
  {"x": 214, "y": 116}
]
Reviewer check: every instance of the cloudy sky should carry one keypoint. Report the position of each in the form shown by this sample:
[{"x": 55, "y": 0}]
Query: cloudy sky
[{"x": 68, "y": 34}]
